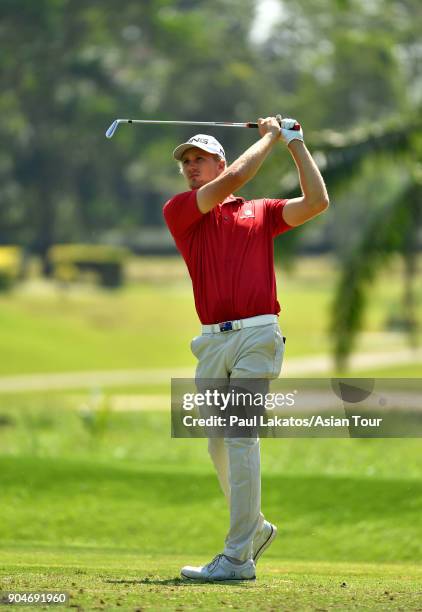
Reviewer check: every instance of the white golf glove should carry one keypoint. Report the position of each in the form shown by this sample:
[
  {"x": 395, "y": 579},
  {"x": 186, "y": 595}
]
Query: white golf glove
[{"x": 287, "y": 132}]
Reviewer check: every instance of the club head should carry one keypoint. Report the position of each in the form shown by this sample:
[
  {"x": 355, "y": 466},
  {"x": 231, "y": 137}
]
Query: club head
[{"x": 113, "y": 127}]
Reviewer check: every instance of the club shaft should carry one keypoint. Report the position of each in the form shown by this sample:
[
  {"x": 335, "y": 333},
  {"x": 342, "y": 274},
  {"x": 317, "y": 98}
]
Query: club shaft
[
  {"x": 209, "y": 123},
  {"x": 249, "y": 124}
]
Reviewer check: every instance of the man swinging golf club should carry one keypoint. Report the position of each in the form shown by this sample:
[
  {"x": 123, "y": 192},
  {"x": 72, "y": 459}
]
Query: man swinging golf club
[{"x": 227, "y": 244}]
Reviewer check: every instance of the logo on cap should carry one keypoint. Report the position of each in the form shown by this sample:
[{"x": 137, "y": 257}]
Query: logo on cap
[
  {"x": 202, "y": 141},
  {"x": 194, "y": 139}
]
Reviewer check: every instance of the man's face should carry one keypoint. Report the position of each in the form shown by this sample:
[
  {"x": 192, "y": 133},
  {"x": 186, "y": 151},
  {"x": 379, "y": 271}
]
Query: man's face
[{"x": 200, "y": 167}]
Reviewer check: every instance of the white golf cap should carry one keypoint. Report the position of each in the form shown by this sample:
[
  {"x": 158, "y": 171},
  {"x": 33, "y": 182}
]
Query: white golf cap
[{"x": 200, "y": 141}]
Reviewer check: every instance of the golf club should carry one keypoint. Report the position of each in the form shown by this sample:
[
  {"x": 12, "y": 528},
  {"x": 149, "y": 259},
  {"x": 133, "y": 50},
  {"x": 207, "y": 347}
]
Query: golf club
[{"x": 113, "y": 127}]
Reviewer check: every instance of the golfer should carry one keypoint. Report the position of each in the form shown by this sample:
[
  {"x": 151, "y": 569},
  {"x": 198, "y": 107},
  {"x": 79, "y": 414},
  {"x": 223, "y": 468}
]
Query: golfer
[{"x": 227, "y": 244}]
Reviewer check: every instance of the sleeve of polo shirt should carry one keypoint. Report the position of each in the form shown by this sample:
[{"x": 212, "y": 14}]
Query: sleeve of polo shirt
[
  {"x": 275, "y": 214},
  {"x": 181, "y": 213}
]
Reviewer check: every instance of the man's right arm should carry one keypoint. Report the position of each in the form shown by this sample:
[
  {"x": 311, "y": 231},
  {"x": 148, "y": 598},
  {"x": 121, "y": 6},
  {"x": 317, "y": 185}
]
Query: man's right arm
[{"x": 242, "y": 170}]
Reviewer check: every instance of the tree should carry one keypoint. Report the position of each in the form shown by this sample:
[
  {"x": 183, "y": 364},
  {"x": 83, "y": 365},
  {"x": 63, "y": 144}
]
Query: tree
[
  {"x": 76, "y": 67},
  {"x": 392, "y": 228},
  {"x": 354, "y": 71}
]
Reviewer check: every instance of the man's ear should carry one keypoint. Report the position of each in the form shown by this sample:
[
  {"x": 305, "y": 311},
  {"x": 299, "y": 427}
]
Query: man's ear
[{"x": 221, "y": 165}]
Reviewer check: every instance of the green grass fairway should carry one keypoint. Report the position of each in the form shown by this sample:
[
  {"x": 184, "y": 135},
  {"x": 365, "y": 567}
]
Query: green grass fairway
[
  {"x": 97, "y": 500},
  {"x": 108, "y": 508},
  {"x": 103, "y": 504},
  {"x": 46, "y": 328},
  {"x": 126, "y": 580}
]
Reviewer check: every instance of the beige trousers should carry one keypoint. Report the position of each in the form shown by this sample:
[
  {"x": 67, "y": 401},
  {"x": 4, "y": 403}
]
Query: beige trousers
[{"x": 253, "y": 352}]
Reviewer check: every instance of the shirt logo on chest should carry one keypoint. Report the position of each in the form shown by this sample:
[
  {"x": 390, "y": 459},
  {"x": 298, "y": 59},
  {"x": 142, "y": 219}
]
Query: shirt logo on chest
[{"x": 247, "y": 214}]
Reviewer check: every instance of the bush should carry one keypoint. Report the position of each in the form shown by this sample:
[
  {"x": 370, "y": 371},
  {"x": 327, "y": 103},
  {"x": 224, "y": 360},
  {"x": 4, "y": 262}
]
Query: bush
[
  {"x": 71, "y": 261},
  {"x": 10, "y": 266}
]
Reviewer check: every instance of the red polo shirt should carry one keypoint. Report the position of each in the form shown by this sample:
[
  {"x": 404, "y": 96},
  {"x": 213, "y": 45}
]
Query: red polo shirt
[{"x": 229, "y": 254}]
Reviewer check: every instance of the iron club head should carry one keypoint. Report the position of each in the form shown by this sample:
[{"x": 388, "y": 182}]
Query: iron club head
[{"x": 113, "y": 127}]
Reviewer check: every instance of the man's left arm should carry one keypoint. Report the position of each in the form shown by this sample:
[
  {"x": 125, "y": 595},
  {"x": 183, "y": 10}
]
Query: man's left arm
[{"x": 314, "y": 199}]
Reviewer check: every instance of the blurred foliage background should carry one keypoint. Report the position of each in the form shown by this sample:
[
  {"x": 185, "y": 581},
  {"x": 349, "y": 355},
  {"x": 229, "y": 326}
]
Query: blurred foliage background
[{"x": 349, "y": 70}]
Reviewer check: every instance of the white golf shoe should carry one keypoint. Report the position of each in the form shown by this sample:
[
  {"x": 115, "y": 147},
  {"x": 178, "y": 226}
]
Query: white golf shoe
[
  {"x": 263, "y": 540},
  {"x": 220, "y": 570}
]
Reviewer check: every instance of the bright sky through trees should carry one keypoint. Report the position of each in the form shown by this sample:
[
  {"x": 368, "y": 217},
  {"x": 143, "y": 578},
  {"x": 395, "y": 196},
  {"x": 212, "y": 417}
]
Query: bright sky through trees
[{"x": 267, "y": 13}]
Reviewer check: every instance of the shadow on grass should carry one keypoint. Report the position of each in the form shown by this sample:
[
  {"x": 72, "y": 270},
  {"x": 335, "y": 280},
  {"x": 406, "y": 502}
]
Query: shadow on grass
[
  {"x": 180, "y": 582},
  {"x": 167, "y": 582}
]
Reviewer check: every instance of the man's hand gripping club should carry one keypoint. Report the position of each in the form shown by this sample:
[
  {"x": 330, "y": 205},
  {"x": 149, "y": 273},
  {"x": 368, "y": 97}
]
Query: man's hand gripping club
[{"x": 247, "y": 165}]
